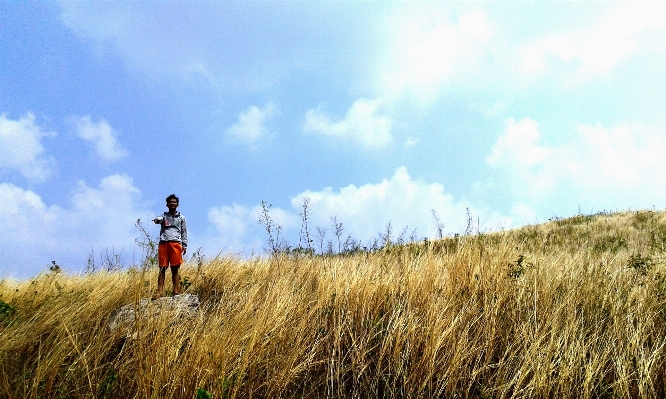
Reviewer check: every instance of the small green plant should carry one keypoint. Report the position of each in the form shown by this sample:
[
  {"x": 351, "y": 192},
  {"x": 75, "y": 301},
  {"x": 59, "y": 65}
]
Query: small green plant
[
  {"x": 660, "y": 286},
  {"x": 518, "y": 267},
  {"x": 641, "y": 264},
  {"x": 579, "y": 219},
  {"x": 109, "y": 384},
  {"x": 185, "y": 283},
  {"x": 227, "y": 384},
  {"x": 6, "y": 312},
  {"x": 611, "y": 244},
  {"x": 202, "y": 393},
  {"x": 6, "y": 309},
  {"x": 642, "y": 217}
]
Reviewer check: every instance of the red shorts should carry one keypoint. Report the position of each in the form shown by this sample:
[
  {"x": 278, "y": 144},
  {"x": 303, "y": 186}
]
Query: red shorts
[{"x": 170, "y": 254}]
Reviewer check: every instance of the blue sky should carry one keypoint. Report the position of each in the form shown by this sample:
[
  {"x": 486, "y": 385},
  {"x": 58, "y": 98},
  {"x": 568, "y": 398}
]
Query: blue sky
[{"x": 377, "y": 112}]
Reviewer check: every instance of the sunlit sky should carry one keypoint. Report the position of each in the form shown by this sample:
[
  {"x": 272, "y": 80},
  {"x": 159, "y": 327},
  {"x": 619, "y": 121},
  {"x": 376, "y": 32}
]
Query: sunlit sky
[{"x": 379, "y": 112}]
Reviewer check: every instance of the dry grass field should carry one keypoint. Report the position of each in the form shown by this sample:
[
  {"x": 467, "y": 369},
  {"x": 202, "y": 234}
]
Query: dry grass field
[{"x": 570, "y": 308}]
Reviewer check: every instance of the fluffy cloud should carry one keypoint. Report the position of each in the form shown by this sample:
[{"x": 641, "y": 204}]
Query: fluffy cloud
[
  {"x": 21, "y": 147},
  {"x": 362, "y": 123},
  {"x": 103, "y": 138},
  {"x": 234, "y": 231},
  {"x": 237, "y": 228},
  {"x": 601, "y": 168},
  {"x": 34, "y": 234},
  {"x": 365, "y": 211},
  {"x": 517, "y": 152},
  {"x": 251, "y": 128}
]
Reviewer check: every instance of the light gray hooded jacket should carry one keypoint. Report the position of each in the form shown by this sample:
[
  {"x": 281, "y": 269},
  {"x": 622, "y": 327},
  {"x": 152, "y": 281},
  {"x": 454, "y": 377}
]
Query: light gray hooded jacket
[{"x": 173, "y": 228}]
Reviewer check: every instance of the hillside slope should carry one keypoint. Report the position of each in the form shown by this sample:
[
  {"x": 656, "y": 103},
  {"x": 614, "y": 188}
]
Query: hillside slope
[{"x": 572, "y": 307}]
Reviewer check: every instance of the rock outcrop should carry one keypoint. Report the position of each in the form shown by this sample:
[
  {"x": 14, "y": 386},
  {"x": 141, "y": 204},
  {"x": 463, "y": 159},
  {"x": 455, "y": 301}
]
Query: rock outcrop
[{"x": 176, "y": 307}]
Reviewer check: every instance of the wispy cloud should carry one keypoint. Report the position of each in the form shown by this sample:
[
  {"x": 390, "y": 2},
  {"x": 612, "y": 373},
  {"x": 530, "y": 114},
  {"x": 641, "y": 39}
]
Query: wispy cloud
[
  {"x": 21, "y": 147},
  {"x": 428, "y": 49},
  {"x": 102, "y": 136},
  {"x": 597, "y": 50},
  {"x": 151, "y": 48},
  {"x": 362, "y": 123}
]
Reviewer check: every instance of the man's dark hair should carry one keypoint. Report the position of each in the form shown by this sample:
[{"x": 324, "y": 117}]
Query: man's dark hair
[{"x": 172, "y": 196}]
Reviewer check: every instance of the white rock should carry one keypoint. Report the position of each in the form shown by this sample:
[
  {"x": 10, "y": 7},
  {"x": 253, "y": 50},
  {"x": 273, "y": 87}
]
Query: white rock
[{"x": 177, "y": 306}]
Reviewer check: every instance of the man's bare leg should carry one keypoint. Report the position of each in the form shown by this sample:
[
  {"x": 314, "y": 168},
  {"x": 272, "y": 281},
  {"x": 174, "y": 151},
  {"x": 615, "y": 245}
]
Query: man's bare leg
[
  {"x": 160, "y": 282},
  {"x": 175, "y": 279}
]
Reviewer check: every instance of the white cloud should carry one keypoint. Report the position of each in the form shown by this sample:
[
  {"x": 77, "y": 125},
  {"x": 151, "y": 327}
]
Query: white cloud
[
  {"x": 517, "y": 149},
  {"x": 34, "y": 234},
  {"x": 491, "y": 53},
  {"x": 237, "y": 228},
  {"x": 114, "y": 191},
  {"x": 598, "y": 49},
  {"x": 250, "y": 127},
  {"x": 232, "y": 221},
  {"x": 21, "y": 147},
  {"x": 234, "y": 230},
  {"x": 23, "y": 211},
  {"x": 601, "y": 168},
  {"x": 366, "y": 210},
  {"x": 362, "y": 123},
  {"x": 102, "y": 136}
]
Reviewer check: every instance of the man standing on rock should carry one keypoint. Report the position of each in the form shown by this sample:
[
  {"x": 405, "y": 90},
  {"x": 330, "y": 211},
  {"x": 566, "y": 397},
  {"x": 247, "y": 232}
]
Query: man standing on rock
[{"x": 173, "y": 244}]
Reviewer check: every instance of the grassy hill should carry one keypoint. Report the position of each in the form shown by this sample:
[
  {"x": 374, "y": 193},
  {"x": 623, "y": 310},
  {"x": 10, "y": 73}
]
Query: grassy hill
[{"x": 571, "y": 308}]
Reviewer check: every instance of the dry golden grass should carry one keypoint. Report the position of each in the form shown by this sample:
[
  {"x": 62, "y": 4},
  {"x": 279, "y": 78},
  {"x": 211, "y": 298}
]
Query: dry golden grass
[{"x": 569, "y": 308}]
